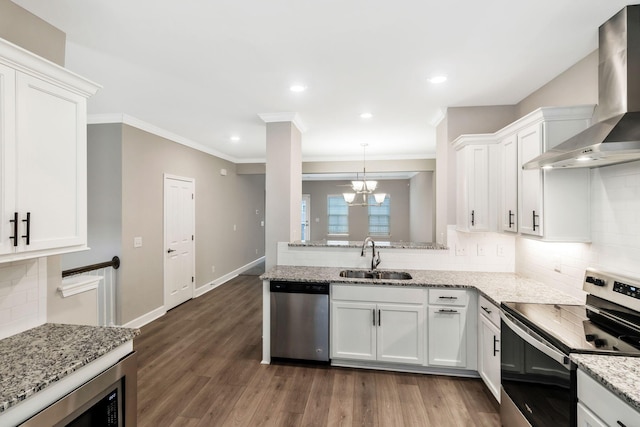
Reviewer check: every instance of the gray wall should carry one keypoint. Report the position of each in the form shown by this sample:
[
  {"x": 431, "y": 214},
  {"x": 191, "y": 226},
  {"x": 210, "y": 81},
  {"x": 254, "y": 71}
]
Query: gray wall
[
  {"x": 421, "y": 212},
  {"x": 358, "y": 215},
  {"x": 26, "y": 30}
]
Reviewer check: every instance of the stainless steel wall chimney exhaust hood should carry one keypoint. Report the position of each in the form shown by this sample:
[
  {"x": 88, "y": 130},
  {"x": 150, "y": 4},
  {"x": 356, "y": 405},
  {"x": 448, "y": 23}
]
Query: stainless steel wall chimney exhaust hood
[{"x": 616, "y": 136}]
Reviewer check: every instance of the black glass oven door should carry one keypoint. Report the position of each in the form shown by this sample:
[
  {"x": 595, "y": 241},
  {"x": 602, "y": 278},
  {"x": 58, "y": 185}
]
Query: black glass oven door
[{"x": 537, "y": 377}]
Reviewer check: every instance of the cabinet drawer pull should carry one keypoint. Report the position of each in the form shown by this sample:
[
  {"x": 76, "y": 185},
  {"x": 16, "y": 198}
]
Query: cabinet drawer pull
[
  {"x": 495, "y": 341},
  {"x": 511, "y": 215},
  {"x": 15, "y": 229},
  {"x": 535, "y": 225},
  {"x": 27, "y": 236},
  {"x": 442, "y": 310},
  {"x": 447, "y": 297},
  {"x": 486, "y": 309}
]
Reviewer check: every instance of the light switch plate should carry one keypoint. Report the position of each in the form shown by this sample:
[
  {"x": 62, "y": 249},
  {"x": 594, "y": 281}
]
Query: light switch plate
[{"x": 137, "y": 242}]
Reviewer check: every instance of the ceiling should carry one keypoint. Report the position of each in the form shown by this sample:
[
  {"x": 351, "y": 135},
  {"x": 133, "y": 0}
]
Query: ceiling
[{"x": 204, "y": 70}]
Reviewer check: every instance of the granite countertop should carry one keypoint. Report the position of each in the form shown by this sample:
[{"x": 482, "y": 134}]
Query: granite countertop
[
  {"x": 619, "y": 374},
  {"x": 32, "y": 360},
  {"x": 497, "y": 287},
  {"x": 358, "y": 244}
]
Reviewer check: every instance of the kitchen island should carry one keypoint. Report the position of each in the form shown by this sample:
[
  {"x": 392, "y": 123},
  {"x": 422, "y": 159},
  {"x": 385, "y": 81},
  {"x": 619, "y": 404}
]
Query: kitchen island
[{"x": 40, "y": 365}]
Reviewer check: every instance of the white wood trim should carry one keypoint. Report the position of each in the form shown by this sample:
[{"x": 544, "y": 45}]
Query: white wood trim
[
  {"x": 74, "y": 285},
  {"x": 29, "y": 63},
  {"x": 95, "y": 119},
  {"x": 146, "y": 318},
  {"x": 284, "y": 117}
]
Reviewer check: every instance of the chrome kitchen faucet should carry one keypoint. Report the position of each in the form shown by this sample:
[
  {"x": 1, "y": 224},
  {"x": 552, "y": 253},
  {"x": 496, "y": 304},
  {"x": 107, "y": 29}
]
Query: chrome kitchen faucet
[{"x": 375, "y": 258}]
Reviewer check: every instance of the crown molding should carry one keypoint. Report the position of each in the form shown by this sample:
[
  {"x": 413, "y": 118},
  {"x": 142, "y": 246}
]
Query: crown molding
[{"x": 284, "y": 117}]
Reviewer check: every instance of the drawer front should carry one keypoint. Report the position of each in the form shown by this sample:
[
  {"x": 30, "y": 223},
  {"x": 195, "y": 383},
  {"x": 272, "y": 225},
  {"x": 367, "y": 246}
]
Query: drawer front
[
  {"x": 489, "y": 310},
  {"x": 378, "y": 293},
  {"x": 602, "y": 402},
  {"x": 446, "y": 296}
]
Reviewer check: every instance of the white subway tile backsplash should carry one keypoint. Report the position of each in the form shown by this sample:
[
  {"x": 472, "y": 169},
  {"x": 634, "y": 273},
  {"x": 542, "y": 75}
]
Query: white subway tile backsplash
[{"x": 23, "y": 295}]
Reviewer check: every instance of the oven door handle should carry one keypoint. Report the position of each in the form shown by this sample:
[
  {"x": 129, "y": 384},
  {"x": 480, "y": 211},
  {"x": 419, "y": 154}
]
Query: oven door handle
[{"x": 539, "y": 345}]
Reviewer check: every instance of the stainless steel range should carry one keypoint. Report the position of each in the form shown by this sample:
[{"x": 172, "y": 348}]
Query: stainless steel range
[{"x": 538, "y": 379}]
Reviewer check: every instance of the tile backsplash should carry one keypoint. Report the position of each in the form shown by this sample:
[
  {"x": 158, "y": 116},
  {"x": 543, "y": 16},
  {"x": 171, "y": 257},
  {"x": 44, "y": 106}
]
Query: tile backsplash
[
  {"x": 615, "y": 232},
  {"x": 23, "y": 295}
]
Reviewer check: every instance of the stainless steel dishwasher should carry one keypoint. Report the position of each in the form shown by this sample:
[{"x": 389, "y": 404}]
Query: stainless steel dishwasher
[{"x": 300, "y": 320}]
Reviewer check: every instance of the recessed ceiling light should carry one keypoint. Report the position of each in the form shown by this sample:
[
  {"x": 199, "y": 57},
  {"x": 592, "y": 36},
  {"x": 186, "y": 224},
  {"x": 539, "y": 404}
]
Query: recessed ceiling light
[
  {"x": 297, "y": 88},
  {"x": 235, "y": 138},
  {"x": 438, "y": 79},
  {"x": 366, "y": 115}
]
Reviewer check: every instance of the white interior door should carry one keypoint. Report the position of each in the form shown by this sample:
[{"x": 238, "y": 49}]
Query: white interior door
[{"x": 179, "y": 238}]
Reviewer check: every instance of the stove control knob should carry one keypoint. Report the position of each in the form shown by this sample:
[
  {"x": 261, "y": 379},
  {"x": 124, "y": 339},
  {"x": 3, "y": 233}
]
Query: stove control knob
[
  {"x": 590, "y": 337},
  {"x": 595, "y": 281},
  {"x": 599, "y": 342}
]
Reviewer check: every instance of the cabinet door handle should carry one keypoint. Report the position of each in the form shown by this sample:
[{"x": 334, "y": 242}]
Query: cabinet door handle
[
  {"x": 473, "y": 217},
  {"x": 511, "y": 215},
  {"x": 170, "y": 250},
  {"x": 621, "y": 424},
  {"x": 374, "y": 316},
  {"x": 534, "y": 217},
  {"x": 379, "y": 319},
  {"x": 442, "y": 310},
  {"x": 15, "y": 229},
  {"x": 486, "y": 309},
  {"x": 495, "y": 341},
  {"x": 27, "y": 236}
]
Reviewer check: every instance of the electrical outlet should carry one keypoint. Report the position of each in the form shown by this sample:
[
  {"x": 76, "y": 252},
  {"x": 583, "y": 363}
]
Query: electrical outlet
[
  {"x": 460, "y": 250},
  {"x": 481, "y": 250},
  {"x": 261, "y": 223},
  {"x": 137, "y": 242},
  {"x": 213, "y": 268},
  {"x": 500, "y": 250},
  {"x": 235, "y": 227}
]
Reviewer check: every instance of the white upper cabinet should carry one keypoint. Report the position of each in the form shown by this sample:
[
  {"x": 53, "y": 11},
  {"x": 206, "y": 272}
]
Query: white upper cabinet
[
  {"x": 476, "y": 195},
  {"x": 508, "y": 215},
  {"x": 44, "y": 158},
  {"x": 554, "y": 204}
]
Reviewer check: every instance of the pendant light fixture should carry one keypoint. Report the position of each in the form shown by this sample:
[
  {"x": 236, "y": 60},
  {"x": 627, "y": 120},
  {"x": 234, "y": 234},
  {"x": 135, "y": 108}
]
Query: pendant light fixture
[{"x": 361, "y": 189}]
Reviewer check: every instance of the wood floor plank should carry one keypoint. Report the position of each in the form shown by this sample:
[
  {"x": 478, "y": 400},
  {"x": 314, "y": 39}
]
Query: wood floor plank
[
  {"x": 200, "y": 365},
  {"x": 341, "y": 405}
]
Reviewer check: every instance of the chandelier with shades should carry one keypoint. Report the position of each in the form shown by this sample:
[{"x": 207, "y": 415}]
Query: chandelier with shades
[{"x": 361, "y": 189}]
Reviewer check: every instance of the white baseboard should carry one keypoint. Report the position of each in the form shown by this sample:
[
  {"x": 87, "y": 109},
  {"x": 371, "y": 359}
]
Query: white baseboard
[
  {"x": 223, "y": 279},
  {"x": 146, "y": 318}
]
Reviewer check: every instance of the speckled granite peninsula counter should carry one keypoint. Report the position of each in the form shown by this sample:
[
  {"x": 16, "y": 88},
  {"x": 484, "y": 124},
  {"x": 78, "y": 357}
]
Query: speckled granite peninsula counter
[
  {"x": 619, "y": 374},
  {"x": 358, "y": 244},
  {"x": 37, "y": 359},
  {"x": 497, "y": 287}
]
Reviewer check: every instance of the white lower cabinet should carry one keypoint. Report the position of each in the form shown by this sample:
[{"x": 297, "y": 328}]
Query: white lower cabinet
[
  {"x": 597, "y": 406},
  {"x": 489, "y": 345},
  {"x": 450, "y": 344},
  {"x": 383, "y": 324}
]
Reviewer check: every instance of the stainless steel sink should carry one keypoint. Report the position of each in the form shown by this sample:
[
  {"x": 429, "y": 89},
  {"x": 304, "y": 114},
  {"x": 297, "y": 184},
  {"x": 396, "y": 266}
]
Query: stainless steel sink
[{"x": 385, "y": 275}]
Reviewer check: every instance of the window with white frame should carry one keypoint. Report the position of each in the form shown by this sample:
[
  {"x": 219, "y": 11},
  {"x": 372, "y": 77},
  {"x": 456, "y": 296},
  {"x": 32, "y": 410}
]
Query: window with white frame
[
  {"x": 338, "y": 215},
  {"x": 379, "y": 217}
]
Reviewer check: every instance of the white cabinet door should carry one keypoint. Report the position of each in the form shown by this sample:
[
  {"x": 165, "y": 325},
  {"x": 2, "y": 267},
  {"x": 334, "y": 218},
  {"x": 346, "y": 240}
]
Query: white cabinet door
[
  {"x": 586, "y": 418},
  {"x": 447, "y": 336},
  {"x": 400, "y": 333},
  {"x": 475, "y": 188},
  {"x": 353, "y": 330},
  {"x": 509, "y": 184},
  {"x": 51, "y": 165},
  {"x": 489, "y": 354},
  {"x": 529, "y": 147},
  {"x": 7, "y": 160}
]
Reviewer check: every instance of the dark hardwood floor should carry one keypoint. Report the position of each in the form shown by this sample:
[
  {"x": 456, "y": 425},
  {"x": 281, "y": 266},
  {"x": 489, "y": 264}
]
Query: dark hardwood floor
[{"x": 199, "y": 365}]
